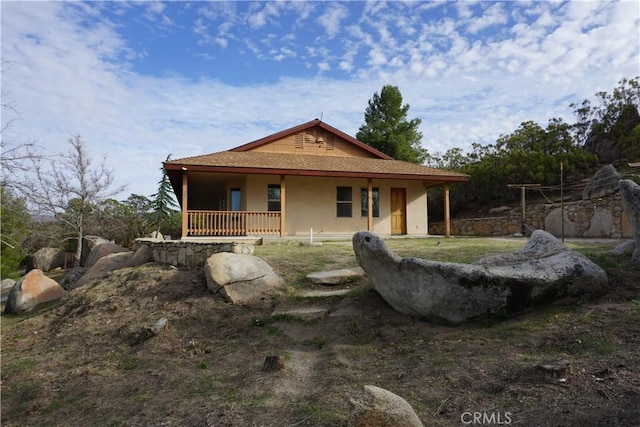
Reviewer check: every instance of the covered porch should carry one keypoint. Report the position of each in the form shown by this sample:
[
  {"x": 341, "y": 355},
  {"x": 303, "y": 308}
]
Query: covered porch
[{"x": 235, "y": 196}]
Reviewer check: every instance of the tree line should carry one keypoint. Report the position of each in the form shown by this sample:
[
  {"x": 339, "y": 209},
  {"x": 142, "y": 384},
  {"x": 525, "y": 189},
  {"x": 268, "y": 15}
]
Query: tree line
[{"x": 606, "y": 131}]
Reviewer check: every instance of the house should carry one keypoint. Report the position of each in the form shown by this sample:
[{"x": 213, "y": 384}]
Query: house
[{"x": 311, "y": 176}]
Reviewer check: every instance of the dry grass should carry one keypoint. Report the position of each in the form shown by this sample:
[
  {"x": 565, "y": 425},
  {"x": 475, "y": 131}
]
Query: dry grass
[{"x": 89, "y": 361}]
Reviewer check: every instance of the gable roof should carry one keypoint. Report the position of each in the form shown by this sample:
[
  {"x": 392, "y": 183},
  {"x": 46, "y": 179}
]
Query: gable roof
[
  {"x": 245, "y": 160},
  {"x": 308, "y": 125}
]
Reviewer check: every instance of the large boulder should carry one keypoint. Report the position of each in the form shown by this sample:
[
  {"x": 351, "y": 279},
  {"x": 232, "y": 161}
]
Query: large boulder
[
  {"x": 375, "y": 406},
  {"x": 240, "y": 278},
  {"x": 103, "y": 250},
  {"x": 103, "y": 267},
  {"x": 32, "y": 290},
  {"x": 543, "y": 271},
  {"x": 603, "y": 183},
  {"x": 141, "y": 256},
  {"x": 47, "y": 259},
  {"x": 88, "y": 244},
  {"x": 630, "y": 192}
]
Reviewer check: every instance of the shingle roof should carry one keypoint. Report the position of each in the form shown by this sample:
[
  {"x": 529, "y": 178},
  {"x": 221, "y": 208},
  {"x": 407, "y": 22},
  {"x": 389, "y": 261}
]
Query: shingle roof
[{"x": 311, "y": 165}]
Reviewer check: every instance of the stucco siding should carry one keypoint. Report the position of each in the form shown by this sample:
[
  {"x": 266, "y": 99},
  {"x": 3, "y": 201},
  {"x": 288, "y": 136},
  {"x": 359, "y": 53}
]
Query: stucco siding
[{"x": 311, "y": 203}]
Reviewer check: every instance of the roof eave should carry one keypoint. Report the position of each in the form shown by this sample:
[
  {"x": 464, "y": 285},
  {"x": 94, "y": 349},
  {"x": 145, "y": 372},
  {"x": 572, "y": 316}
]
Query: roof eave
[{"x": 316, "y": 173}]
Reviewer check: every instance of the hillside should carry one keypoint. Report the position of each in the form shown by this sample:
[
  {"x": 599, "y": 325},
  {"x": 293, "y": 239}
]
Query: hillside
[{"x": 92, "y": 361}]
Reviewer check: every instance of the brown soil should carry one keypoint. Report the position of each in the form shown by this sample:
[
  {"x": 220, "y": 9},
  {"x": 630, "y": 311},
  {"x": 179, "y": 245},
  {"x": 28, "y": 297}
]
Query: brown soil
[{"x": 92, "y": 360}]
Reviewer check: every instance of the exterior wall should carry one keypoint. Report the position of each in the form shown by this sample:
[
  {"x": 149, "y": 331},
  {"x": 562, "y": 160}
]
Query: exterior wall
[
  {"x": 311, "y": 203},
  {"x": 602, "y": 217}
]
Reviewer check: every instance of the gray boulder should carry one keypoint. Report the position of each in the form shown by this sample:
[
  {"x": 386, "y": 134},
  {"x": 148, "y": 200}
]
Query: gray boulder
[
  {"x": 603, "y": 183},
  {"x": 32, "y": 290},
  {"x": 7, "y": 284},
  {"x": 47, "y": 259},
  {"x": 5, "y": 288},
  {"x": 103, "y": 267},
  {"x": 541, "y": 272},
  {"x": 72, "y": 276},
  {"x": 102, "y": 250},
  {"x": 240, "y": 278},
  {"x": 630, "y": 192},
  {"x": 375, "y": 406}
]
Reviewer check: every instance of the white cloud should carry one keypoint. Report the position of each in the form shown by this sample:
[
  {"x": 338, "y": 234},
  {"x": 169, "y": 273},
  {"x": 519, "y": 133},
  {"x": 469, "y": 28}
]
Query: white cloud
[
  {"x": 69, "y": 77},
  {"x": 493, "y": 15},
  {"x": 331, "y": 19},
  {"x": 377, "y": 57}
]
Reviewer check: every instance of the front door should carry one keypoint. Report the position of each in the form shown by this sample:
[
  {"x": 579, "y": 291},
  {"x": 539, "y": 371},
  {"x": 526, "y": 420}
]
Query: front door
[{"x": 398, "y": 211}]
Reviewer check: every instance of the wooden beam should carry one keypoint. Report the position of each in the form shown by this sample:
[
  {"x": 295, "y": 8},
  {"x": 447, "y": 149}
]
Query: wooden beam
[
  {"x": 185, "y": 192},
  {"x": 447, "y": 213},
  {"x": 369, "y": 205},
  {"x": 523, "y": 188},
  {"x": 283, "y": 204}
]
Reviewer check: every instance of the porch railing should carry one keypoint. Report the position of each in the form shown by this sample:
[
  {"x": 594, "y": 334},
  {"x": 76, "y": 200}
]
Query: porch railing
[{"x": 232, "y": 223}]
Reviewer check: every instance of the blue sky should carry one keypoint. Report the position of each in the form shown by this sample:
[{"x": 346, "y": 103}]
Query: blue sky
[{"x": 141, "y": 80}]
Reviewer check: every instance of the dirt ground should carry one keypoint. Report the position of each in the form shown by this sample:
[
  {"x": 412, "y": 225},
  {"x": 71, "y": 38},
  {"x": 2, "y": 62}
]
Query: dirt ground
[{"x": 91, "y": 360}]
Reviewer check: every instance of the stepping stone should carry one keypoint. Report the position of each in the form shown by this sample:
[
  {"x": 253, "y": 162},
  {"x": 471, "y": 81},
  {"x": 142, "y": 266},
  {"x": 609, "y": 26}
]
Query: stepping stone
[
  {"x": 319, "y": 293},
  {"x": 303, "y": 313},
  {"x": 335, "y": 277}
]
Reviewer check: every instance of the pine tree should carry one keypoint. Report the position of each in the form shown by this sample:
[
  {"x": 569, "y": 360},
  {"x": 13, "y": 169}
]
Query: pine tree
[
  {"x": 163, "y": 203},
  {"x": 387, "y": 128}
]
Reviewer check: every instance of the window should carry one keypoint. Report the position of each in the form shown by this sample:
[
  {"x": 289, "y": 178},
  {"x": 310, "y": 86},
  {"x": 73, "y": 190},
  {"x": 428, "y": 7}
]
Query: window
[
  {"x": 376, "y": 202},
  {"x": 273, "y": 198},
  {"x": 344, "y": 198}
]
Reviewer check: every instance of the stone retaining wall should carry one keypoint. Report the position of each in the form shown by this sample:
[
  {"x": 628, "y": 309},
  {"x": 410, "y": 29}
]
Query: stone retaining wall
[
  {"x": 602, "y": 217},
  {"x": 189, "y": 254}
]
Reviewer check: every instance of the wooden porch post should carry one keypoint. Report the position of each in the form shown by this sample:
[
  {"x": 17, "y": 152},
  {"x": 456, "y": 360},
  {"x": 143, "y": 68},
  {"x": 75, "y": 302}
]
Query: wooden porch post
[
  {"x": 185, "y": 191},
  {"x": 369, "y": 205},
  {"x": 447, "y": 216},
  {"x": 283, "y": 204},
  {"x": 426, "y": 201}
]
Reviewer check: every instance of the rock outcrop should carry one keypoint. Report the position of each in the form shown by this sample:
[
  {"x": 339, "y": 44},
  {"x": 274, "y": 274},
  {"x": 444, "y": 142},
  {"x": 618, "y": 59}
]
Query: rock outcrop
[
  {"x": 375, "y": 406},
  {"x": 103, "y": 250},
  {"x": 88, "y": 244},
  {"x": 240, "y": 278},
  {"x": 141, "y": 256},
  {"x": 32, "y": 290},
  {"x": 47, "y": 259},
  {"x": 543, "y": 271},
  {"x": 104, "y": 266},
  {"x": 603, "y": 183},
  {"x": 630, "y": 192}
]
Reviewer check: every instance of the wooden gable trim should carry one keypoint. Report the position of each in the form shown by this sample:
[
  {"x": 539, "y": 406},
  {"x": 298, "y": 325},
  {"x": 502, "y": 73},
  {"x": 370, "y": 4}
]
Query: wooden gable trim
[{"x": 316, "y": 122}]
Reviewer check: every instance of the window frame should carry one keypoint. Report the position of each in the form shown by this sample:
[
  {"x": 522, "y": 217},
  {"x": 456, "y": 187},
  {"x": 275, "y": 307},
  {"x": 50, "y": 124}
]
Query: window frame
[
  {"x": 276, "y": 202},
  {"x": 344, "y": 207}
]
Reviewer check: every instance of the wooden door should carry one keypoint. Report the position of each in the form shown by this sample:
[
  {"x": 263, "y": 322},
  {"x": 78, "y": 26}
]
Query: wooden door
[{"x": 398, "y": 211}]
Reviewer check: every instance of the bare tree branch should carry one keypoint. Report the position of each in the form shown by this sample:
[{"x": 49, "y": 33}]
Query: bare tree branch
[{"x": 69, "y": 188}]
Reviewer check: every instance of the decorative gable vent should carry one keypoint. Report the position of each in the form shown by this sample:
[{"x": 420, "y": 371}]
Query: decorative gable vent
[
  {"x": 299, "y": 141},
  {"x": 330, "y": 143}
]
